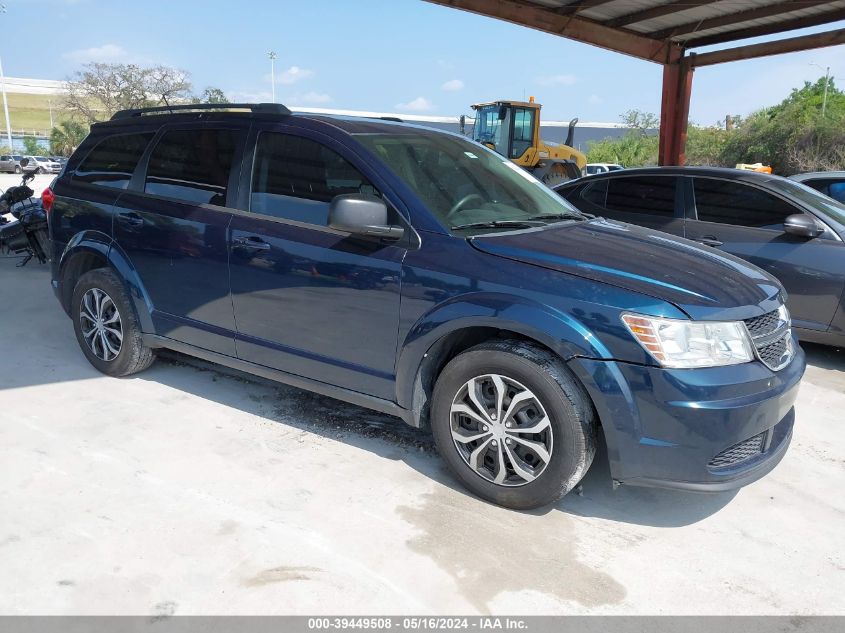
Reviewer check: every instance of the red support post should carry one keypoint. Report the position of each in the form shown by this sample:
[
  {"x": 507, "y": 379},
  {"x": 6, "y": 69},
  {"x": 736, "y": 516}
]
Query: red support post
[{"x": 674, "y": 112}]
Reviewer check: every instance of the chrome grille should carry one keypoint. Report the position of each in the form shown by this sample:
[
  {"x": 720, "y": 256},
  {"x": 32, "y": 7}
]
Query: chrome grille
[
  {"x": 771, "y": 334},
  {"x": 739, "y": 452}
]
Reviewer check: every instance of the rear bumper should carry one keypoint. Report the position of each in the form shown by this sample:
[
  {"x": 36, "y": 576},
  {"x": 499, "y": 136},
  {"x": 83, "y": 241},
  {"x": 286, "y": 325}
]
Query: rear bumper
[{"x": 704, "y": 430}]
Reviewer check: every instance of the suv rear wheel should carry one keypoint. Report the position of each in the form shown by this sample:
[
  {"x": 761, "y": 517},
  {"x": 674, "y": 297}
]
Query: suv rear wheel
[
  {"x": 106, "y": 325},
  {"x": 513, "y": 424}
]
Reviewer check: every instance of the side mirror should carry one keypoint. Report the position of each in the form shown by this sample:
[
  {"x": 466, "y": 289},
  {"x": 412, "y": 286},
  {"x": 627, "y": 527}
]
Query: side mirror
[
  {"x": 24, "y": 162},
  {"x": 362, "y": 214},
  {"x": 802, "y": 225}
]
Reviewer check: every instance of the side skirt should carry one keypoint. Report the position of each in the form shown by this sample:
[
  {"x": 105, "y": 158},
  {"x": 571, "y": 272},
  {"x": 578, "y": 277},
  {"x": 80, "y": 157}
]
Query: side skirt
[{"x": 353, "y": 397}]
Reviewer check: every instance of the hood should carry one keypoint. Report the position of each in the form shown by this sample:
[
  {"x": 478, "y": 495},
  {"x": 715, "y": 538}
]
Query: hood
[{"x": 703, "y": 282}]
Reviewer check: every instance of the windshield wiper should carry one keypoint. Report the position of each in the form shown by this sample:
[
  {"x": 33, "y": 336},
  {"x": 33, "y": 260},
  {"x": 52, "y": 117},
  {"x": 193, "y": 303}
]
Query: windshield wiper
[
  {"x": 500, "y": 224},
  {"x": 561, "y": 216}
]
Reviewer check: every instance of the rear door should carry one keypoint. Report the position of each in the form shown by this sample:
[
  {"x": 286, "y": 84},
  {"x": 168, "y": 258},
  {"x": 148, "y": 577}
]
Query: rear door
[
  {"x": 311, "y": 300},
  {"x": 747, "y": 221},
  {"x": 172, "y": 224},
  {"x": 648, "y": 200}
]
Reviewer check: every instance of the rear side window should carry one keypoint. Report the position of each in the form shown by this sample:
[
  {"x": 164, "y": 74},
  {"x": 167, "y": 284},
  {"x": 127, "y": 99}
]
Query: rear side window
[
  {"x": 192, "y": 165},
  {"x": 728, "y": 202},
  {"x": 113, "y": 160},
  {"x": 833, "y": 188},
  {"x": 645, "y": 195},
  {"x": 296, "y": 178}
]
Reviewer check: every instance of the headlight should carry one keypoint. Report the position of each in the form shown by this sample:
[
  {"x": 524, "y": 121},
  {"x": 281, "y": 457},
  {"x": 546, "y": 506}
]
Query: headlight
[{"x": 680, "y": 343}]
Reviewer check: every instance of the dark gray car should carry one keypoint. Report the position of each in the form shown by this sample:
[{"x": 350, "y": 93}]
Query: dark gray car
[{"x": 784, "y": 227}]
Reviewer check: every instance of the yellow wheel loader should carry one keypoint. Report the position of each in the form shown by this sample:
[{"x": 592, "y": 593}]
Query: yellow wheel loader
[{"x": 512, "y": 128}]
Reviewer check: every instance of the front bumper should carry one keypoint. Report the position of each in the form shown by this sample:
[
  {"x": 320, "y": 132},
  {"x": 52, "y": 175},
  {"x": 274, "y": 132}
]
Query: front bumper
[{"x": 707, "y": 430}]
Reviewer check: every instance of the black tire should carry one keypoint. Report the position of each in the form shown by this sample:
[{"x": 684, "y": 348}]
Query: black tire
[
  {"x": 133, "y": 355},
  {"x": 39, "y": 171},
  {"x": 18, "y": 169},
  {"x": 567, "y": 405}
]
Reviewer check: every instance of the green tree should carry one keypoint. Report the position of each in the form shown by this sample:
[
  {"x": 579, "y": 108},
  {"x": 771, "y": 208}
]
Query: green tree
[
  {"x": 31, "y": 146},
  {"x": 637, "y": 148},
  {"x": 793, "y": 136},
  {"x": 66, "y": 137},
  {"x": 214, "y": 95}
]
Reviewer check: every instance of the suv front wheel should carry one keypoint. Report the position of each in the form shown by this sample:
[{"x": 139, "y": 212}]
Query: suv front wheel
[
  {"x": 106, "y": 325},
  {"x": 513, "y": 424}
]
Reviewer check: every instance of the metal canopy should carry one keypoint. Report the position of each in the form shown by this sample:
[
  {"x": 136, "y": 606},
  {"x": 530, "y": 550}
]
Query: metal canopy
[
  {"x": 661, "y": 30},
  {"x": 668, "y": 32}
]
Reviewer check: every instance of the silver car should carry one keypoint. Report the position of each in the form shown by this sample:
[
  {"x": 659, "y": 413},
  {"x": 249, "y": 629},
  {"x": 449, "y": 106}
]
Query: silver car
[
  {"x": 11, "y": 163},
  {"x": 42, "y": 165}
]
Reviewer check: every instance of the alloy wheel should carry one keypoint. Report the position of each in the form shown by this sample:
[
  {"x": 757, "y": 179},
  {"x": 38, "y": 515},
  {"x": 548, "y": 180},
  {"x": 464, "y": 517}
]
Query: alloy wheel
[
  {"x": 101, "y": 326},
  {"x": 501, "y": 430}
]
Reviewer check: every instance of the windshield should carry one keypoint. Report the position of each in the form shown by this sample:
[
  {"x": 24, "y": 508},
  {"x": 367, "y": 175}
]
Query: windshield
[
  {"x": 462, "y": 183},
  {"x": 816, "y": 200},
  {"x": 41, "y": 159},
  {"x": 490, "y": 128}
]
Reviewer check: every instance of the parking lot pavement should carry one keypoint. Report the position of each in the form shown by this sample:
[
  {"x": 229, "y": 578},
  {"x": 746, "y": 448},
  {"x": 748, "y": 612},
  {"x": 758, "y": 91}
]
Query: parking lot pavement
[
  {"x": 184, "y": 490},
  {"x": 39, "y": 184}
]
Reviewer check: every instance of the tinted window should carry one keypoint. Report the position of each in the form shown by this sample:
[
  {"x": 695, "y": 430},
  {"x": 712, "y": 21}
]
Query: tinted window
[
  {"x": 112, "y": 161},
  {"x": 739, "y": 204},
  {"x": 595, "y": 194},
  {"x": 647, "y": 195},
  {"x": 192, "y": 165},
  {"x": 296, "y": 178},
  {"x": 829, "y": 187},
  {"x": 523, "y": 131}
]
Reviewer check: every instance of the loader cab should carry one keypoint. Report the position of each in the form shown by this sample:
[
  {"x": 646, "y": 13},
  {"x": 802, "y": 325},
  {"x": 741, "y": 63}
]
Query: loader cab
[{"x": 509, "y": 128}]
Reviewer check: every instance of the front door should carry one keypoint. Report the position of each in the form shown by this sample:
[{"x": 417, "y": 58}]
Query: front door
[
  {"x": 746, "y": 221},
  {"x": 173, "y": 226},
  {"x": 308, "y": 299}
]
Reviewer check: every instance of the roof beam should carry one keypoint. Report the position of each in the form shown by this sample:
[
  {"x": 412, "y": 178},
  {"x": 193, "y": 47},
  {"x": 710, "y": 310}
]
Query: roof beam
[
  {"x": 735, "y": 18},
  {"x": 573, "y": 27},
  {"x": 655, "y": 12},
  {"x": 768, "y": 29},
  {"x": 578, "y": 5},
  {"x": 790, "y": 45}
]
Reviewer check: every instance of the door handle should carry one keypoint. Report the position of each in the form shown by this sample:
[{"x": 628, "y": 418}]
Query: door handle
[
  {"x": 251, "y": 243},
  {"x": 132, "y": 220},
  {"x": 708, "y": 240}
]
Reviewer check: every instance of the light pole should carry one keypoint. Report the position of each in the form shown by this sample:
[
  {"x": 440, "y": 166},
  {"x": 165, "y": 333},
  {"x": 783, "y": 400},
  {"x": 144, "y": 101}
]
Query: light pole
[
  {"x": 5, "y": 101},
  {"x": 272, "y": 56},
  {"x": 826, "y": 83}
]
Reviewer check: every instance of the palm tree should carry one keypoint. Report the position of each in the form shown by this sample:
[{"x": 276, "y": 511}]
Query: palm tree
[{"x": 66, "y": 137}]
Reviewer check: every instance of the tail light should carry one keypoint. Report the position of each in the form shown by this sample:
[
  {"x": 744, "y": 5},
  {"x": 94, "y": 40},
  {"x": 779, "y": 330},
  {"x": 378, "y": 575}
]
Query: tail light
[{"x": 47, "y": 199}]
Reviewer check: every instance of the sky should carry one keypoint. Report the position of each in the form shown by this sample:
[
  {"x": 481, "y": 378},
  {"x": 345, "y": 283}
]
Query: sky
[{"x": 404, "y": 56}]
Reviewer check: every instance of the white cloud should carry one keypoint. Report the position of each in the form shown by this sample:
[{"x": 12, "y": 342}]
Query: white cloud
[
  {"x": 293, "y": 75},
  {"x": 420, "y": 104},
  {"x": 452, "y": 85},
  {"x": 310, "y": 98},
  {"x": 595, "y": 100},
  {"x": 106, "y": 53},
  {"x": 557, "y": 80}
]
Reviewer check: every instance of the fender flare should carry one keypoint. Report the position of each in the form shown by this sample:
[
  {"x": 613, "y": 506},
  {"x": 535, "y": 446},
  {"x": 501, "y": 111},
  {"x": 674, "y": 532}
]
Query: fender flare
[
  {"x": 564, "y": 335},
  {"x": 100, "y": 244}
]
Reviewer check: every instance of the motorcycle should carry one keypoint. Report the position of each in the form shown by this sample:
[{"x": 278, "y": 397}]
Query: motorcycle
[{"x": 27, "y": 234}]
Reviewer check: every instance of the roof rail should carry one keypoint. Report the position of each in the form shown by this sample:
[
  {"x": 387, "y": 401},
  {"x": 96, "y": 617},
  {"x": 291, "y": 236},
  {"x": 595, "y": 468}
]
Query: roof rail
[{"x": 256, "y": 108}]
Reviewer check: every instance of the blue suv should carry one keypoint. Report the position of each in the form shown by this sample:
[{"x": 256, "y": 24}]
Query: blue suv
[{"x": 420, "y": 274}]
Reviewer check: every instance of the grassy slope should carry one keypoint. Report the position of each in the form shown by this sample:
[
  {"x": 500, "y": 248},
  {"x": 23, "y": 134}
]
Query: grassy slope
[{"x": 31, "y": 113}]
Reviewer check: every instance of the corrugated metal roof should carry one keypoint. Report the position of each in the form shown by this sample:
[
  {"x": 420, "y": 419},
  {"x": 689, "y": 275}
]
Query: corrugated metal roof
[{"x": 687, "y": 20}]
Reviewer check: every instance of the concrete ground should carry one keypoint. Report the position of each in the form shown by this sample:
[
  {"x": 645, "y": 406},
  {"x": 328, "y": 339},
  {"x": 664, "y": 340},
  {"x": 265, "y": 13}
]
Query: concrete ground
[{"x": 183, "y": 490}]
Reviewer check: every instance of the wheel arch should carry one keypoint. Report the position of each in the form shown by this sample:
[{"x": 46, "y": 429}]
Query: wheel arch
[
  {"x": 441, "y": 335},
  {"x": 90, "y": 250}
]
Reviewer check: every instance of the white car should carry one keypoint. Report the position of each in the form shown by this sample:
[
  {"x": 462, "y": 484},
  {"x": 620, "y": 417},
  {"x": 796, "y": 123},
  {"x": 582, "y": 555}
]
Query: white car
[
  {"x": 42, "y": 165},
  {"x": 601, "y": 168}
]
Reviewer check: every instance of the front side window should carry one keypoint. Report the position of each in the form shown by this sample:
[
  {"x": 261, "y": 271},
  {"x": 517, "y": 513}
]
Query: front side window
[
  {"x": 112, "y": 161},
  {"x": 523, "y": 131},
  {"x": 192, "y": 165},
  {"x": 739, "y": 204},
  {"x": 296, "y": 178},
  {"x": 596, "y": 194},
  {"x": 489, "y": 127},
  {"x": 644, "y": 195}
]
